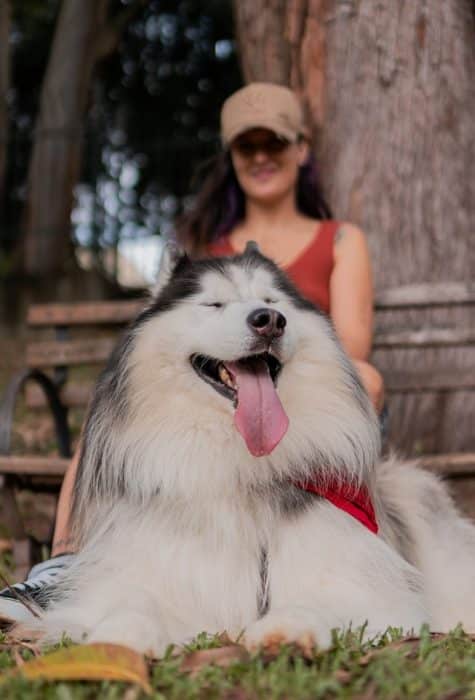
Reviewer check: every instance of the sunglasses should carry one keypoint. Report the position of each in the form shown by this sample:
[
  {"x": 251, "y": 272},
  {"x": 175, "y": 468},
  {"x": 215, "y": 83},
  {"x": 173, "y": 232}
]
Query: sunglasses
[{"x": 271, "y": 145}]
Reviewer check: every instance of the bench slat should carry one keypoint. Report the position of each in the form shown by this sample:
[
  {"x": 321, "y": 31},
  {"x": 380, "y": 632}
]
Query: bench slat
[
  {"x": 72, "y": 395},
  {"x": 33, "y": 466},
  {"x": 95, "y": 351},
  {"x": 439, "y": 380},
  {"x": 93, "y": 312},
  {"x": 456, "y": 463},
  {"x": 71, "y": 352},
  {"x": 424, "y": 337},
  {"x": 406, "y": 296},
  {"x": 426, "y": 294},
  {"x": 449, "y": 464}
]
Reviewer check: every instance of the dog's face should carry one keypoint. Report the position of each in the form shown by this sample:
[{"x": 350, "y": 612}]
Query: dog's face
[
  {"x": 226, "y": 333},
  {"x": 233, "y": 312},
  {"x": 229, "y": 332}
]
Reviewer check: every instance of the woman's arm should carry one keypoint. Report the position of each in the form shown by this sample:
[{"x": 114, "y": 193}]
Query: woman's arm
[
  {"x": 351, "y": 306},
  {"x": 351, "y": 292}
]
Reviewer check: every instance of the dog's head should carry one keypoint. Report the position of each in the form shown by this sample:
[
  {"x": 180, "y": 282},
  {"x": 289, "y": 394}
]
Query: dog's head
[
  {"x": 228, "y": 327},
  {"x": 229, "y": 360}
]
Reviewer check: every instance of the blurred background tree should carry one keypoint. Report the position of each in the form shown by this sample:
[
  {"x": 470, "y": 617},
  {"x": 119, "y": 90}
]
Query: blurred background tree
[
  {"x": 390, "y": 94},
  {"x": 389, "y": 91},
  {"x": 106, "y": 109}
]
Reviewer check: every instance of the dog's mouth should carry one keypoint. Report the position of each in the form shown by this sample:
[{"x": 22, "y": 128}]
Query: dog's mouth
[
  {"x": 223, "y": 376},
  {"x": 250, "y": 383}
]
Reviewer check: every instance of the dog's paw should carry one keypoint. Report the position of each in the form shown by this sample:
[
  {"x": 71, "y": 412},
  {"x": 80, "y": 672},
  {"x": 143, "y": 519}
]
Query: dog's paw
[{"x": 290, "y": 628}]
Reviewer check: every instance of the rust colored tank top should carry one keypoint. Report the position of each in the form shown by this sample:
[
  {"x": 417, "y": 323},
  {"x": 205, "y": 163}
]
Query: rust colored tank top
[{"x": 310, "y": 271}]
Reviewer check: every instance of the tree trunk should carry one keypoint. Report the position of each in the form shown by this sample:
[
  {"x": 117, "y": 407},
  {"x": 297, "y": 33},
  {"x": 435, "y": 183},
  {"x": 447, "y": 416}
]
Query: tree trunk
[
  {"x": 56, "y": 155},
  {"x": 390, "y": 93},
  {"x": 5, "y": 22}
]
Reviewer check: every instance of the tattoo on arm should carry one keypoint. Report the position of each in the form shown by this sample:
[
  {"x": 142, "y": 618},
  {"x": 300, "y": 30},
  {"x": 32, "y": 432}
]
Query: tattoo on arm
[{"x": 340, "y": 234}]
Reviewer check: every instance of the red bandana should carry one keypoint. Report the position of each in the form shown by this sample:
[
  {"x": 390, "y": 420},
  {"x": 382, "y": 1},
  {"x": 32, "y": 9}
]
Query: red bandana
[{"x": 356, "y": 502}]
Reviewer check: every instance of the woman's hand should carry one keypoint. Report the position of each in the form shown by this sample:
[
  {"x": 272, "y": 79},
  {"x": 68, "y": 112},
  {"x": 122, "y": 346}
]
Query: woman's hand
[{"x": 372, "y": 382}]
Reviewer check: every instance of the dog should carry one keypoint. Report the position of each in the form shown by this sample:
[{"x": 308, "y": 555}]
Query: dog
[{"x": 230, "y": 480}]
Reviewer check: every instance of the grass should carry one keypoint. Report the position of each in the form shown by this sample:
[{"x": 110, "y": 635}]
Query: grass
[{"x": 429, "y": 667}]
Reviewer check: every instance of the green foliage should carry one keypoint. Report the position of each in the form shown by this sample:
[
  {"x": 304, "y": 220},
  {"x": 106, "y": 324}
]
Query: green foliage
[{"x": 155, "y": 117}]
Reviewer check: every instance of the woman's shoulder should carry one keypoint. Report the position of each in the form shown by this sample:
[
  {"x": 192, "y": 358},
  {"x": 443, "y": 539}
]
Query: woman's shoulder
[
  {"x": 349, "y": 240},
  {"x": 349, "y": 234},
  {"x": 346, "y": 229}
]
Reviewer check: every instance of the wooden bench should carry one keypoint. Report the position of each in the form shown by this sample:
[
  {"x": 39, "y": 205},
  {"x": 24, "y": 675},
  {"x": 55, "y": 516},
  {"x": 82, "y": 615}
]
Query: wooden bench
[
  {"x": 424, "y": 345},
  {"x": 61, "y": 337},
  {"x": 83, "y": 334}
]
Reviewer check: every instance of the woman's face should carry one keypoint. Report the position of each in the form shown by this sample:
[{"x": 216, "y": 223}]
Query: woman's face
[{"x": 265, "y": 165}]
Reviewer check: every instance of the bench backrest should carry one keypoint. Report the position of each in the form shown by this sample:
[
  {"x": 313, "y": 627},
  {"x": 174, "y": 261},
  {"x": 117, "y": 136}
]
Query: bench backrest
[
  {"x": 417, "y": 334},
  {"x": 421, "y": 334},
  {"x": 74, "y": 335}
]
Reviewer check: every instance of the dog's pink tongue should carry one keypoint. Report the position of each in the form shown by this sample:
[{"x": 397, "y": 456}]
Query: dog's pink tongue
[{"x": 259, "y": 417}]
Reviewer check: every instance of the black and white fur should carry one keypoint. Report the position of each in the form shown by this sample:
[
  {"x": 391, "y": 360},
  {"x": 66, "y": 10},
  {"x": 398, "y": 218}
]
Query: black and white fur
[{"x": 182, "y": 530}]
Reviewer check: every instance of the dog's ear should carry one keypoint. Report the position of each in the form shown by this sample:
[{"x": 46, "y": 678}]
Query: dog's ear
[
  {"x": 172, "y": 255},
  {"x": 251, "y": 248}
]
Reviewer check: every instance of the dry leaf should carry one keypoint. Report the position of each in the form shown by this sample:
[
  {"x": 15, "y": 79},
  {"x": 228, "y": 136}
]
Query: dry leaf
[
  {"x": 238, "y": 694},
  {"x": 223, "y": 656},
  {"x": 342, "y": 676},
  {"x": 366, "y": 658},
  {"x": 132, "y": 693},
  {"x": 92, "y": 662},
  {"x": 410, "y": 642},
  {"x": 19, "y": 661}
]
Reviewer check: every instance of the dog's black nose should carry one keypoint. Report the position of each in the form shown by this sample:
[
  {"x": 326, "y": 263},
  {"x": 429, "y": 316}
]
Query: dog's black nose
[{"x": 267, "y": 322}]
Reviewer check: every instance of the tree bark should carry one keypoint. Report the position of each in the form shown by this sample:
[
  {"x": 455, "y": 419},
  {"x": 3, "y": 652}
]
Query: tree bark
[
  {"x": 5, "y": 22},
  {"x": 390, "y": 94},
  {"x": 56, "y": 155}
]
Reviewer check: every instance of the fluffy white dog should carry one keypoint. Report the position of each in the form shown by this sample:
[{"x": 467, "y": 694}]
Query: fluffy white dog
[{"x": 230, "y": 479}]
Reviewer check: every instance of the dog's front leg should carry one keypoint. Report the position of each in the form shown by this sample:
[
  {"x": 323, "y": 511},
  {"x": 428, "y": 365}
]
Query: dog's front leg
[
  {"x": 132, "y": 629},
  {"x": 327, "y": 571},
  {"x": 135, "y": 622}
]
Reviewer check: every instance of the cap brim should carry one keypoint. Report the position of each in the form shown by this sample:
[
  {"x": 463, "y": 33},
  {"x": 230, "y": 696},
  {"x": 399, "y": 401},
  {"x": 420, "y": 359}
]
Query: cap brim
[{"x": 285, "y": 134}]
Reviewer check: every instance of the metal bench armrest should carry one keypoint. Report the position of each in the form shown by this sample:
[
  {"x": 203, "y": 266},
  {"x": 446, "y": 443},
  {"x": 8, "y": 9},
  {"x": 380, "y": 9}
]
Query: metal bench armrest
[{"x": 58, "y": 410}]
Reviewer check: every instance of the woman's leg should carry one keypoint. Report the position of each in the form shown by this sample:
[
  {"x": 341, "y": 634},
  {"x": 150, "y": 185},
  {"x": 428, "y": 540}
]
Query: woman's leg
[{"x": 62, "y": 541}]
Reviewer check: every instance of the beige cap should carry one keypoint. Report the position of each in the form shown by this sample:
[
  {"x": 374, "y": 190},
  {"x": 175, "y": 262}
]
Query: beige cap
[{"x": 262, "y": 105}]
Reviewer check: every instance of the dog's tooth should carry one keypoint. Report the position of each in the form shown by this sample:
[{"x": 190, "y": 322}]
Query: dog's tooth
[{"x": 225, "y": 376}]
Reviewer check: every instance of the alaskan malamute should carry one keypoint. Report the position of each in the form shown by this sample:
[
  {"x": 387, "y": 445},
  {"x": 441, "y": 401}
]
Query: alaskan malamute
[{"x": 230, "y": 479}]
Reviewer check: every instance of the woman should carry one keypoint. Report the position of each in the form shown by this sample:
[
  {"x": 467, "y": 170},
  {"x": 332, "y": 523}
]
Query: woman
[{"x": 263, "y": 188}]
